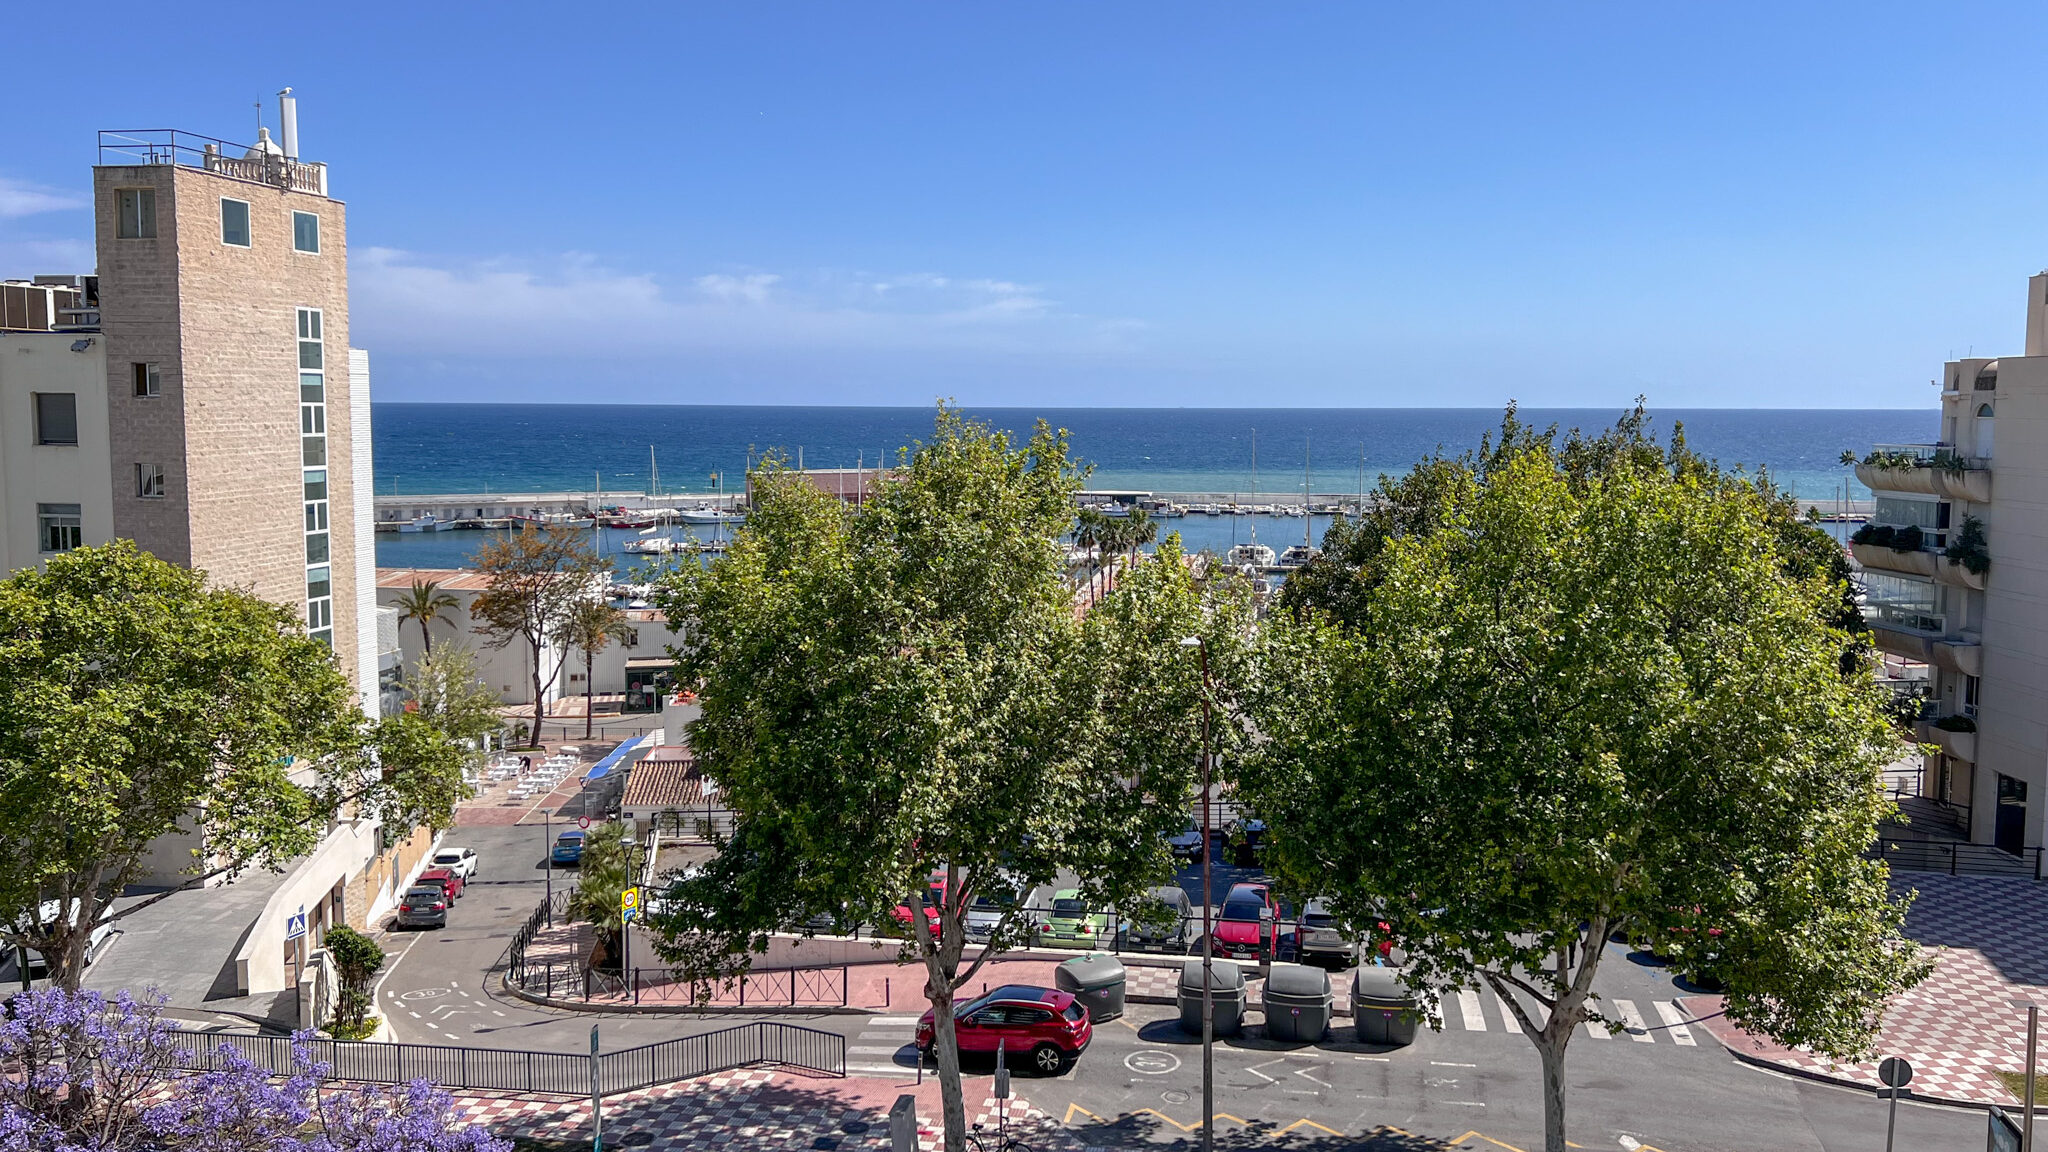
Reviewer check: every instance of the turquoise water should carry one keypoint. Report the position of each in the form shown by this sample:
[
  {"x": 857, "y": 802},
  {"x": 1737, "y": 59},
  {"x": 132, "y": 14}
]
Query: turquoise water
[{"x": 424, "y": 448}]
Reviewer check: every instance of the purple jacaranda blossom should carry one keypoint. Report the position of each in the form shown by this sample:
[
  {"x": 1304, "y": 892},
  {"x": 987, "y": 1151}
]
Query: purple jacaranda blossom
[{"x": 81, "y": 1073}]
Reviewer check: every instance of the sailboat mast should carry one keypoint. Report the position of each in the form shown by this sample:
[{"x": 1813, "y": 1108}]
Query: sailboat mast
[
  {"x": 1255, "y": 486},
  {"x": 1308, "y": 516}
]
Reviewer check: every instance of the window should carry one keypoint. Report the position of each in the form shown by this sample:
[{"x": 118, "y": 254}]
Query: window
[
  {"x": 312, "y": 388},
  {"x": 149, "y": 380},
  {"x": 1970, "y": 695},
  {"x": 234, "y": 222},
  {"x": 1903, "y": 510},
  {"x": 316, "y": 484},
  {"x": 1902, "y": 602},
  {"x": 315, "y": 450},
  {"x": 305, "y": 232},
  {"x": 135, "y": 213},
  {"x": 316, "y": 516},
  {"x": 316, "y": 548},
  {"x": 58, "y": 527},
  {"x": 319, "y": 583},
  {"x": 149, "y": 481},
  {"x": 1984, "y": 431},
  {"x": 313, "y": 419},
  {"x": 56, "y": 418},
  {"x": 309, "y": 340},
  {"x": 320, "y": 614}
]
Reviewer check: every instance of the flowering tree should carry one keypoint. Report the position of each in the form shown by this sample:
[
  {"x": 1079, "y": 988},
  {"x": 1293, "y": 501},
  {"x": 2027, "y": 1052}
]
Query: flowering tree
[{"x": 97, "y": 1076}]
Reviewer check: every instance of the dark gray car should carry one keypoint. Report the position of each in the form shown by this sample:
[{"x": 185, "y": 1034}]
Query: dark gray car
[
  {"x": 423, "y": 907},
  {"x": 1167, "y": 931}
]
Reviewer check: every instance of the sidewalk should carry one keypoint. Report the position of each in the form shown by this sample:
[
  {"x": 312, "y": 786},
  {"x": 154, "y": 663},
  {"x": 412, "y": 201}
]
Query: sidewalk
[{"x": 1988, "y": 936}]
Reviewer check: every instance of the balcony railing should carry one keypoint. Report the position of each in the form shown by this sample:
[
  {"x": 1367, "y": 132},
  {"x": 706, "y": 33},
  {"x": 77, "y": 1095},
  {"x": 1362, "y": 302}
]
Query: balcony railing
[
  {"x": 208, "y": 154},
  {"x": 1901, "y": 616}
]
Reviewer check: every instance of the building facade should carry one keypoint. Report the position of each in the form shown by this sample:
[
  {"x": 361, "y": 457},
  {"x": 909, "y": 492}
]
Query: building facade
[{"x": 1955, "y": 562}]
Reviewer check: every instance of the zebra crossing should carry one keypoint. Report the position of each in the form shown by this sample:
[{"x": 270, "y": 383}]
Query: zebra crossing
[
  {"x": 881, "y": 1043},
  {"x": 1473, "y": 1011}
]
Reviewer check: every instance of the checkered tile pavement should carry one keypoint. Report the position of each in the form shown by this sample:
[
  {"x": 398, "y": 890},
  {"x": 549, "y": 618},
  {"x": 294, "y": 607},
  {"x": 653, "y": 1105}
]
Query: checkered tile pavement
[
  {"x": 746, "y": 1108},
  {"x": 1988, "y": 936}
]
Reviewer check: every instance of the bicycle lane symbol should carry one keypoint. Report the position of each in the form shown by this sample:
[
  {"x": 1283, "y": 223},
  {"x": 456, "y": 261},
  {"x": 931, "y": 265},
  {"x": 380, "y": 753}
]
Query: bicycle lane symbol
[{"x": 1151, "y": 1062}]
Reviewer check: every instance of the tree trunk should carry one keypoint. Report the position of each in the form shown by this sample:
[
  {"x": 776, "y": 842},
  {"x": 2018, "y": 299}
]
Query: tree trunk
[
  {"x": 941, "y": 939},
  {"x": 589, "y": 662},
  {"x": 539, "y": 697},
  {"x": 1551, "y": 1048},
  {"x": 426, "y": 640}
]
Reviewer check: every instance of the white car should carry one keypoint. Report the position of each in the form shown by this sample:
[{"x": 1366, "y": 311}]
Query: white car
[
  {"x": 461, "y": 861},
  {"x": 102, "y": 934}
]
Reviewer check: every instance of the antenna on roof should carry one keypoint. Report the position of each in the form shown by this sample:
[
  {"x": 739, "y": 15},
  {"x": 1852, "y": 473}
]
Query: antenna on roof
[{"x": 259, "y": 116}]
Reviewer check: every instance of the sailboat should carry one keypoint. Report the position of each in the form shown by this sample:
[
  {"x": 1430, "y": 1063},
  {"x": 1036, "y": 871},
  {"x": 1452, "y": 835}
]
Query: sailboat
[
  {"x": 1254, "y": 554},
  {"x": 1300, "y": 554}
]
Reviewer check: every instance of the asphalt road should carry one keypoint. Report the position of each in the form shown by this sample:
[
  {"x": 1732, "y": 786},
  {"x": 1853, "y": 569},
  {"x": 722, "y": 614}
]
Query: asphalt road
[{"x": 1140, "y": 1081}]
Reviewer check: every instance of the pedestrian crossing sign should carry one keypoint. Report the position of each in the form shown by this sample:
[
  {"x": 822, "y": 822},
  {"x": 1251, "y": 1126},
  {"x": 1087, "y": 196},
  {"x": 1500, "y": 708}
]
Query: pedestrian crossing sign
[{"x": 629, "y": 903}]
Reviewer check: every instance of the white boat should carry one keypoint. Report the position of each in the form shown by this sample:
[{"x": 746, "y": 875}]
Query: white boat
[
  {"x": 650, "y": 546},
  {"x": 1297, "y": 555},
  {"x": 426, "y": 523},
  {"x": 707, "y": 516},
  {"x": 1255, "y": 554}
]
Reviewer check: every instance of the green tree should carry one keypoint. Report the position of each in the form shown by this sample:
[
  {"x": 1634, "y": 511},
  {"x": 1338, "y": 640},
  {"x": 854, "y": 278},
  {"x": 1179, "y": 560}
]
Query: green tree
[
  {"x": 136, "y": 700},
  {"x": 593, "y": 625},
  {"x": 603, "y": 873},
  {"x": 356, "y": 959},
  {"x": 426, "y": 603},
  {"x": 420, "y": 776},
  {"x": 535, "y": 580},
  {"x": 1582, "y": 687},
  {"x": 448, "y": 692},
  {"x": 1091, "y": 528},
  {"x": 905, "y": 691}
]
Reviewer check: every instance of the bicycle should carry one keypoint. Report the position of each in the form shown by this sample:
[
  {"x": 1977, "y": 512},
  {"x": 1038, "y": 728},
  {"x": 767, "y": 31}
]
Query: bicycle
[{"x": 1001, "y": 1143}]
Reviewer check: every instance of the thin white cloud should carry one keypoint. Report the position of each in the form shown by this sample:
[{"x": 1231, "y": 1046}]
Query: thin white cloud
[
  {"x": 577, "y": 307},
  {"x": 19, "y": 198}
]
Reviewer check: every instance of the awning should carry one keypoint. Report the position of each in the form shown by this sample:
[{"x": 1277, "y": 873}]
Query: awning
[{"x": 613, "y": 759}]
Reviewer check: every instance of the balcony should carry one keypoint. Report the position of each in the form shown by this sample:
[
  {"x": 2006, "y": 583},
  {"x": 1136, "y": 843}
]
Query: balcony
[
  {"x": 1925, "y": 563},
  {"x": 261, "y": 163},
  {"x": 1931, "y": 469},
  {"x": 1954, "y": 735}
]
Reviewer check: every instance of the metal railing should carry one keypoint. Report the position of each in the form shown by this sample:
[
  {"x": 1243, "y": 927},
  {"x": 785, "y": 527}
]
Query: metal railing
[
  {"x": 551, "y": 1073},
  {"x": 1958, "y": 858},
  {"x": 209, "y": 154}
]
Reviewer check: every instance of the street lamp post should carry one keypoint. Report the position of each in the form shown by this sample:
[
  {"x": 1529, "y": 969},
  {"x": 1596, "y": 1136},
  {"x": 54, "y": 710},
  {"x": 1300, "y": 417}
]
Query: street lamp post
[
  {"x": 626, "y": 926},
  {"x": 1208, "y": 924},
  {"x": 547, "y": 857}
]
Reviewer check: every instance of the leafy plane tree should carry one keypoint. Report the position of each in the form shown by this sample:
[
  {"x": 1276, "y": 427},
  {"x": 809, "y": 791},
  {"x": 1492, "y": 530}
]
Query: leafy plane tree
[
  {"x": 1571, "y": 688},
  {"x": 903, "y": 698},
  {"x": 535, "y": 581}
]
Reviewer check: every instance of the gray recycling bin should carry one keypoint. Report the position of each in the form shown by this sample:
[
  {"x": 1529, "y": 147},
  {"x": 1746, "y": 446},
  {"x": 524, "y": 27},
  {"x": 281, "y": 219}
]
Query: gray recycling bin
[
  {"x": 1097, "y": 980},
  {"x": 1298, "y": 1003},
  {"x": 1383, "y": 1007},
  {"x": 1226, "y": 988}
]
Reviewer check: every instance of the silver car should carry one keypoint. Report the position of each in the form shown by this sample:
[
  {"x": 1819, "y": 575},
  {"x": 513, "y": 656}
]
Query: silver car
[
  {"x": 1322, "y": 937},
  {"x": 1169, "y": 930}
]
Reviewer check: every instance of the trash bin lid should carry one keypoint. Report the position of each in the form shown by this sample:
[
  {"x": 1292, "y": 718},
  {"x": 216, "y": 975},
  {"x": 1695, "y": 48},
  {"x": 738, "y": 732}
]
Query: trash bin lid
[
  {"x": 1090, "y": 972},
  {"x": 1375, "y": 983},
  {"x": 1225, "y": 975},
  {"x": 1297, "y": 980}
]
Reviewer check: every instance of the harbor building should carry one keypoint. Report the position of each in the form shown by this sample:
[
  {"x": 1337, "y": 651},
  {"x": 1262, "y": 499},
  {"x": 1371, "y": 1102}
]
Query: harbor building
[
  {"x": 1955, "y": 575},
  {"x": 197, "y": 394}
]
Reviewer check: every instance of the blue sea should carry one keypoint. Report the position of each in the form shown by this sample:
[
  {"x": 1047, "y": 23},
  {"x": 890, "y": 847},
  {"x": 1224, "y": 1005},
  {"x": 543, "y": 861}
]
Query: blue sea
[{"x": 433, "y": 448}]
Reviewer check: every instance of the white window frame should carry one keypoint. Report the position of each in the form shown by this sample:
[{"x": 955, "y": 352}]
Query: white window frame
[
  {"x": 310, "y": 329},
  {"x": 248, "y": 223},
  {"x": 120, "y": 216},
  {"x": 43, "y": 526},
  {"x": 148, "y": 379},
  {"x": 315, "y": 218}
]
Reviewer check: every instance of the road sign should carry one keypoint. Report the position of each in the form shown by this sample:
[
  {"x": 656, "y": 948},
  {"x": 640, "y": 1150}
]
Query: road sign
[
  {"x": 629, "y": 903},
  {"x": 295, "y": 924},
  {"x": 1895, "y": 1072},
  {"x": 583, "y": 821}
]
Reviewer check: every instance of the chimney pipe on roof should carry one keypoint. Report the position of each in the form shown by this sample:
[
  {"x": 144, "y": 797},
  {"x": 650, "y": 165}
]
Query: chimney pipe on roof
[{"x": 288, "y": 113}]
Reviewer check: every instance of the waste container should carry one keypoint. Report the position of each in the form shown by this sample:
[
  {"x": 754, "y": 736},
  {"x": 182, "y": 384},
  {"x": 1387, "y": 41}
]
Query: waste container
[
  {"x": 1097, "y": 980},
  {"x": 1383, "y": 1007},
  {"x": 1298, "y": 1003},
  {"x": 1226, "y": 985}
]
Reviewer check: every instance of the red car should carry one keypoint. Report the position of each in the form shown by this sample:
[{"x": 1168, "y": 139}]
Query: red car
[
  {"x": 934, "y": 895},
  {"x": 449, "y": 880},
  {"x": 1040, "y": 1028},
  {"x": 1245, "y": 926}
]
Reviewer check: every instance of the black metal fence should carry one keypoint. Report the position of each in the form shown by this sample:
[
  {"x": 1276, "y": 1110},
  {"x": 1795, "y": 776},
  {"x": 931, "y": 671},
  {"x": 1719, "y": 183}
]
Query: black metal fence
[
  {"x": 1958, "y": 859},
  {"x": 552, "y": 1073}
]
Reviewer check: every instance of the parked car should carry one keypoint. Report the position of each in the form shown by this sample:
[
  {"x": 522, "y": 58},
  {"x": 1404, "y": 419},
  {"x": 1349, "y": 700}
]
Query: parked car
[
  {"x": 95, "y": 943},
  {"x": 1245, "y": 927},
  {"x": 1245, "y": 835},
  {"x": 443, "y": 879},
  {"x": 1322, "y": 937},
  {"x": 1073, "y": 924},
  {"x": 1186, "y": 843},
  {"x": 1038, "y": 1028},
  {"x": 423, "y": 906},
  {"x": 1169, "y": 930},
  {"x": 934, "y": 895},
  {"x": 461, "y": 861},
  {"x": 984, "y": 912},
  {"x": 568, "y": 848}
]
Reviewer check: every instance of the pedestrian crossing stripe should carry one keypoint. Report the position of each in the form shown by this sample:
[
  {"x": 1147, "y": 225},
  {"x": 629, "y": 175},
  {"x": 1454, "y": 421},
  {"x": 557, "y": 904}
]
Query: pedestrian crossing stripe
[
  {"x": 1477, "y": 1013},
  {"x": 1674, "y": 1021}
]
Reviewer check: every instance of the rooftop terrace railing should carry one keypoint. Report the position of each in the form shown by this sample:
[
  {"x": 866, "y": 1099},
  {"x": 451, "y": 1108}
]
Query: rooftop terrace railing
[{"x": 209, "y": 154}]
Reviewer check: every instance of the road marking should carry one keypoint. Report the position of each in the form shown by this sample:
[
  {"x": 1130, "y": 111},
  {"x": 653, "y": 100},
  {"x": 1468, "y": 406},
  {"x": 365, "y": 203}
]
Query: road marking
[
  {"x": 910, "y": 1020},
  {"x": 1464, "y": 1103},
  {"x": 1073, "y": 1108},
  {"x": 1448, "y": 1064},
  {"x": 1262, "y": 1076},
  {"x": 1468, "y": 1007},
  {"x": 1633, "y": 1021},
  {"x": 873, "y": 1050},
  {"x": 1304, "y": 1074},
  {"x": 434, "y": 1026},
  {"x": 880, "y": 1070},
  {"x": 1379, "y": 1059},
  {"x": 412, "y": 1013},
  {"x": 1311, "y": 1124},
  {"x": 1151, "y": 1062},
  {"x": 495, "y": 1012},
  {"x": 1675, "y": 1021},
  {"x": 1598, "y": 1031}
]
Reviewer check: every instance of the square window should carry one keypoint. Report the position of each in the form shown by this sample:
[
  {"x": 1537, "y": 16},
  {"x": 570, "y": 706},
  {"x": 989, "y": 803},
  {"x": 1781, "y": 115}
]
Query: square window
[
  {"x": 313, "y": 450},
  {"x": 148, "y": 380},
  {"x": 316, "y": 548},
  {"x": 149, "y": 481},
  {"x": 312, "y": 388},
  {"x": 234, "y": 222},
  {"x": 316, "y": 516},
  {"x": 313, "y": 419},
  {"x": 325, "y": 637},
  {"x": 316, "y": 484},
  {"x": 309, "y": 354},
  {"x": 135, "y": 213},
  {"x": 56, "y": 418},
  {"x": 59, "y": 527},
  {"x": 309, "y": 324},
  {"x": 319, "y": 613},
  {"x": 319, "y": 583},
  {"x": 305, "y": 232}
]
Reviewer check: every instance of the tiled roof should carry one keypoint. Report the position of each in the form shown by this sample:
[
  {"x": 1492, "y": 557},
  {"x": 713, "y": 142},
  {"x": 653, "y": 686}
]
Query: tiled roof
[{"x": 658, "y": 784}]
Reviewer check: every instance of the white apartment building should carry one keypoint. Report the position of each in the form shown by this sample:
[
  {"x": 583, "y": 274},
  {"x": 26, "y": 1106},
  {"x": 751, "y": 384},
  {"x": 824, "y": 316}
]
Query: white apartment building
[{"x": 1956, "y": 576}]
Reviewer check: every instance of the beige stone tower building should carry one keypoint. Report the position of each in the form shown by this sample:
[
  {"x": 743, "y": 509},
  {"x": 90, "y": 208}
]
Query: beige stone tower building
[{"x": 223, "y": 277}]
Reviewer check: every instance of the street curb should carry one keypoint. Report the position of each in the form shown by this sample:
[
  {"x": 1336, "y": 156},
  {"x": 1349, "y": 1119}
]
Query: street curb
[{"x": 1756, "y": 1061}]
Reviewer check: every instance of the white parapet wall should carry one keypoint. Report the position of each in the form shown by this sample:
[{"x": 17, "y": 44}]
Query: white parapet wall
[{"x": 264, "y": 964}]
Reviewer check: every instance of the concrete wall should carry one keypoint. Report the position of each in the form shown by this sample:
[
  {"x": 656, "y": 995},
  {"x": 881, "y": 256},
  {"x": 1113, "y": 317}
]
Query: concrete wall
[
  {"x": 2012, "y": 716},
  {"x": 346, "y": 862},
  {"x": 32, "y": 474}
]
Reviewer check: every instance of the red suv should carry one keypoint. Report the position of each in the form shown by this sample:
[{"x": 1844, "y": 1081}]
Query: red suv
[
  {"x": 1040, "y": 1027},
  {"x": 1246, "y": 925},
  {"x": 934, "y": 896},
  {"x": 446, "y": 879}
]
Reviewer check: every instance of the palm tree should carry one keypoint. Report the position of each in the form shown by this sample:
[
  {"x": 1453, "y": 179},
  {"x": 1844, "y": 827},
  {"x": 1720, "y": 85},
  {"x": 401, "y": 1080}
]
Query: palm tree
[
  {"x": 1141, "y": 529},
  {"x": 426, "y": 603},
  {"x": 1090, "y": 526},
  {"x": 592, "y": 626}
]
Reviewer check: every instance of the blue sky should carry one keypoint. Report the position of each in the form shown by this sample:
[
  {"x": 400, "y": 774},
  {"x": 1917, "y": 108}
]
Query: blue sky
[{"x": 1151, "y": 204}]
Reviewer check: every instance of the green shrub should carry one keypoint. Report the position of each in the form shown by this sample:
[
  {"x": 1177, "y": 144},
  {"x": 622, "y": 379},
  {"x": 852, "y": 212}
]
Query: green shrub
[{"x": 1967, "y": 547}]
